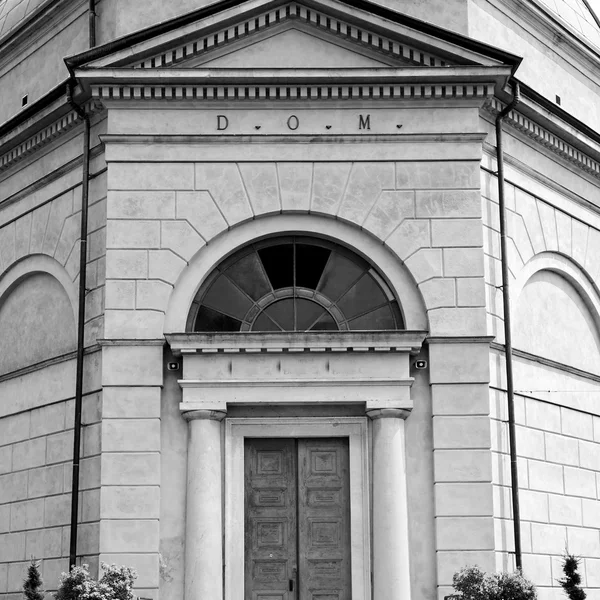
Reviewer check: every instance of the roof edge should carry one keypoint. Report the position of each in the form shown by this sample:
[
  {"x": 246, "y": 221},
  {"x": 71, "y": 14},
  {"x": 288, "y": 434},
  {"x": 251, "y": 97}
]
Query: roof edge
[
  {"x": 559, "y": 112},
  {"x": 32, "y": 109},
  {"x": 365, "y": 5}
]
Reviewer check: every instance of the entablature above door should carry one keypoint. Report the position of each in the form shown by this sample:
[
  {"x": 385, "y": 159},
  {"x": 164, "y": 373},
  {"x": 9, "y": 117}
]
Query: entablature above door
[{"x": 347, "y": 367}]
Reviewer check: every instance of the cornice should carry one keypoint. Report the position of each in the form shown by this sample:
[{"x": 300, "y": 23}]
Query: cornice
[
  {"x": 483, "y": 339},
  {"x": 292, "y": 11},
  {"x": 45, "y": 135},
  {"x": 546, "y": 138},
  {"x": 146, "y": 41},
  {"x": 339, "y": 341},
  {"x": 548, "y": 362},
  {"x": 457, "y": 74},
  {"x": 366, "y": 88},
  {"x": 47, "y": 363}
]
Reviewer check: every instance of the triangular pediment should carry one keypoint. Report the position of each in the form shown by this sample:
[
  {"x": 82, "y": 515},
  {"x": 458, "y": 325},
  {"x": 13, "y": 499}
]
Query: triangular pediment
[
  {"x": 290, "y": 48},
  {"x": 324, "y": 34}
]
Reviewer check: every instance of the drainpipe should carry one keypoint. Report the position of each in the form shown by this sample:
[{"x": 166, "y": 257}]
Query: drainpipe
[
  {"x": 83, "y": 235},
  {"x": 507, "y": 331},
  {"x": 80, "y": 320},
  {"x": 92, "y": 22}
]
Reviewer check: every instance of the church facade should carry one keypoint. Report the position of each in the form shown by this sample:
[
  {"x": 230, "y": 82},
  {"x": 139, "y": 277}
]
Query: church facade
[{"x": 299, "y": 225}]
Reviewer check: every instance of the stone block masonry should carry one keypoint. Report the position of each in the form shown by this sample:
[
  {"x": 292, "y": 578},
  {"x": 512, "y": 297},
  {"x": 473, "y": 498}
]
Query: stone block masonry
[
  {"x": 36, "y": 452},
  {"x": 462, "y": 457},
  {"x": 161, "y": 214},
  {"x": 129, "y": 509},
  {"x": 559, "y": 473}
]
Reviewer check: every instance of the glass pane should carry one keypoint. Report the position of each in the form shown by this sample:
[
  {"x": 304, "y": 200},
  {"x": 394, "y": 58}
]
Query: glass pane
[
  {"x": 278, "y": 262},
  {"x": 248, "y": 274},
  {"x": 397, "y": 315},
  {"x": 325, "y": 323},
  {"x": 380, "y": 318},
  {"x": 310, "y": 262},
  {"x": 338, "y": 276},
  {"x": 307, "y": 313},
  {"x": 225, "y": 297},
  {"x": 211, "y": 320},
  {"x": 282, "y": 312},
  {"x": 362, "y": 297},
  {"x": 263, "y": 323}
]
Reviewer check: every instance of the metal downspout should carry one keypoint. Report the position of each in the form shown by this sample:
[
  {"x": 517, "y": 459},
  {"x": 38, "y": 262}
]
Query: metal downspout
[
  {"x": 507, "y": 331},
  {"x": 83, "y": 235},
  {"x": 80, "y": 323},
  {"x": 92, "y": 22}
]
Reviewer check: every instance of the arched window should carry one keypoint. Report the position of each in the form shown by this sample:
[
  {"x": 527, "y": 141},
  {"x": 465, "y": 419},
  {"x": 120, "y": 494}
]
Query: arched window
[{"x": 294, "y": 284}]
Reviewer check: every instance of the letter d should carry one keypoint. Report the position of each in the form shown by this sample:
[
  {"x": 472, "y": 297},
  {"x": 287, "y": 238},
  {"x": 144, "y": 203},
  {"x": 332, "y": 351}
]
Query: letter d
[{"x": 222, "y": 122}]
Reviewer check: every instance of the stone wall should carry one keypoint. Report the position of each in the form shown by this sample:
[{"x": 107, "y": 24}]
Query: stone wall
[
  {"x": 553, "y": 247},
  {"x": 161, "y": 215},
  {"x": 169, "y": 215},
  {"x": 559, "y": 481},
  {"x": 36, "y": 452},
  {"x": 39, "y": 254}
]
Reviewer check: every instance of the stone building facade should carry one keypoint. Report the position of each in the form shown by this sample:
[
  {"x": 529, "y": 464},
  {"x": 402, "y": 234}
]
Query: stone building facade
[{"x": 294, "y": 371}]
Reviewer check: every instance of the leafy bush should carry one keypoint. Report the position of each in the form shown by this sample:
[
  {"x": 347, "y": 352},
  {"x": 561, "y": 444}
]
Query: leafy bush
[
  {"x": 474, "y": 584},
  {"x": 570, "y": 582},
  {"x": 115, "y": 584},
  {"x": 32, "y": 586}
]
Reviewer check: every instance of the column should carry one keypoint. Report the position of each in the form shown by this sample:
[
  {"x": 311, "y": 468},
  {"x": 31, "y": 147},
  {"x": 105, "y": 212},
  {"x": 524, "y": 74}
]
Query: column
[
  {"x": 204, "y": 530},
  {"x": 391, "y": 574}
]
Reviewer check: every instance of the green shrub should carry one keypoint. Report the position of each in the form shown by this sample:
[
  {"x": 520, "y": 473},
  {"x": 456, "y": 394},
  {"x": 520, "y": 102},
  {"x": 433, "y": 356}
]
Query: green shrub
[
  {"x": 570, "y": 582},
  {"x": 32, "y": 586},
  {"x": 115, "y": 584},
  {"x": 474, "y": 584}
]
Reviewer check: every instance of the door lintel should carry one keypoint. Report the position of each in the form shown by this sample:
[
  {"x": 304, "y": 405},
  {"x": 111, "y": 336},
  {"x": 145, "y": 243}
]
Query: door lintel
[{"x": 366, "y": 367}]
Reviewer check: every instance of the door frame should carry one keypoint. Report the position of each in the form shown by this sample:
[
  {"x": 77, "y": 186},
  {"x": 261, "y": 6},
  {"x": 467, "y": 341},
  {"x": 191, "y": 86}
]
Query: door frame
[{"x": 354, "y": 428}]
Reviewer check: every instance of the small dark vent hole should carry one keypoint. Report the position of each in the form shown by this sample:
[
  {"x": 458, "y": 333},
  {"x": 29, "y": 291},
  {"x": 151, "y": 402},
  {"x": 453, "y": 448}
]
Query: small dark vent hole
[{"x": 24, "y": 100}]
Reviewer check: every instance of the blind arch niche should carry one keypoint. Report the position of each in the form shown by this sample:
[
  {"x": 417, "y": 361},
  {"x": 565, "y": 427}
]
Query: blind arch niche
[{"x": 294, "y": 283}]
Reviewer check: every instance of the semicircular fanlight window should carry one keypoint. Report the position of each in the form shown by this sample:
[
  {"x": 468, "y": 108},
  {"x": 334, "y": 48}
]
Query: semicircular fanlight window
[{"x": 294, "y": 284}]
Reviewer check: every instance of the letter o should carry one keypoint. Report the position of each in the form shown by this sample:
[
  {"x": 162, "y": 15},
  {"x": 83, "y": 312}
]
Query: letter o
[{"x": 293, "y": 122}]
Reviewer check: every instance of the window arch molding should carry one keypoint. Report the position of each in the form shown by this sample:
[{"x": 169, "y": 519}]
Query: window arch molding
[
  {"x": 294, "y": 283},
  {"x": 566, "y": 268},
  {"x": 396, "y": 275},
  {"x": 38, "y": 263}
]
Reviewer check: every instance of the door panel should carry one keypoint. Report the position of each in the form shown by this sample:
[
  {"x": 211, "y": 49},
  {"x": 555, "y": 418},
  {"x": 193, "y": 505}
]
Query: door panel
[
  {"x": 297, "y": 522},
  {"x": 270, "y": 529},
  {"x": 324, "y": 519}
]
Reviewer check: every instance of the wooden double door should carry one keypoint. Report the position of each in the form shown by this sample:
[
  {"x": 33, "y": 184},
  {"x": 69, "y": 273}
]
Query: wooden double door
[{"x": 297, "y": 521}]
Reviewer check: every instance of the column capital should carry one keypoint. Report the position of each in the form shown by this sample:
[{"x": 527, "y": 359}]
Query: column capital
[
  {"x": 206, "y": 415},
  {"x": 388, "y": 413}
]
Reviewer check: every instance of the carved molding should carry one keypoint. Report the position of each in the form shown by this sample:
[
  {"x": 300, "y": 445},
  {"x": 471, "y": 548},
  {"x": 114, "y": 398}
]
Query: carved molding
[
  {"x": 292, "y": 92},
  {"x": 389, "y": 413},
  {"x": 293, "y": 12},
  {"x": 546, "y": 138},
  {"x": 204, "y": 415},
  {"x": 277, "y": 342},
  {"x": 46, "y": 135}
]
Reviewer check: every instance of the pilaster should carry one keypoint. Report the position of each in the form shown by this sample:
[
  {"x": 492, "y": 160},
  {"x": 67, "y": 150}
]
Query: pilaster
[
  {"x": 459, "y": 377},
  {"x": 130, "y": 460}
]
